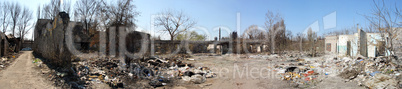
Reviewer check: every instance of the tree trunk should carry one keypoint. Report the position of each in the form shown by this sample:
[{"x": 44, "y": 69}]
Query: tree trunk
[
  {"x": 14, "y": 28},
  {"x": 272, "y": 43},
  {"x": 301, "y": 45}
]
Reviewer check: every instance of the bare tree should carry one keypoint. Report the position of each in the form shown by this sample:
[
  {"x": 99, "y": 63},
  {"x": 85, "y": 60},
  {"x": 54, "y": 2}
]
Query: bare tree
[
  {"x": 385, "y": 19},
  {"x": 24, "y": 22},
  {"x": 191, "y": 35},
  {"x": 122, "y": 13},
  {"x": 287, "y": 40},
  {"x": 174, "y": 22},
  {"x": 66, "y": 6},
  {"x": 311, "y": 37},
  {"x": 300, "y": 37},
  {"x": 51, "y": 9},
  {"x": 15, "y": 12},
  {"x": 38, "y": 12},
  {"x": 270, "y": 20},
  {"x": 371, "y": 28},
  {"x": 279, "y": 37},
  {"x": 252, "y": 32},
  {"x": 5, "y": 6},
  {"x": 86, "y": 11}
]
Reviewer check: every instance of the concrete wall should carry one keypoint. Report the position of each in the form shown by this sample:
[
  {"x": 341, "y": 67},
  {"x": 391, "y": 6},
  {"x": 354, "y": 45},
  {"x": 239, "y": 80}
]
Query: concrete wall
[
  {"x": 348, "y": 45},
  {"x": 398, "y": 42},
  {"x": 50, "y": 42},
  {"x": 27, "y": 45},
  {"x": 372, "y": 43},
  {"x": 50, "y": 39},
  {"x": 3, "y": 45},
  {"x": 331, "y": 44},
  {"x": 343, "y": 42},
  {"x": 362, "y": 43},
  {"x": 134, "y": 41}
]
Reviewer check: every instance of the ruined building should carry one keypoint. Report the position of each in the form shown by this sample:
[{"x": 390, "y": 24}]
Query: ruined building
[
  {"x": 3, "y": 45},
  {"x": 15, "y": 43},
  {"x": 50, "y": 39},
  {"x": 360, "y": 43}
]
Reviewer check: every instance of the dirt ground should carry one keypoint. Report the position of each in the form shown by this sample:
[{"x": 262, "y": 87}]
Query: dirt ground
[
  {"x": 233, "y": 72},
  {"x": 245, "y": 72},
  {"x": 22, "y": 75}
]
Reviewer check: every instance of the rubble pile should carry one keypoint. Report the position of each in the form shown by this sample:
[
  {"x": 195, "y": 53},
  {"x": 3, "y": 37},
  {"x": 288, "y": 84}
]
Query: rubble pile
[
  {"x": 143, "y": 72},
  {"x": 59, "y": 76},
  {"x": 379, "y": 72},
  {"x": 301, "y": 73},
  {"x": 5, "y": 61},
  {"x": 165, "y": 71}
]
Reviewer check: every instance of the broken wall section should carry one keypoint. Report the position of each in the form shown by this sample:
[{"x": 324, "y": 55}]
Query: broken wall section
[
  {"x": 3, "y": 45},
  {"x": 134, "y": 43},
  {"x": 50, "y": 41},
  {"x": 398, "y": 42}
]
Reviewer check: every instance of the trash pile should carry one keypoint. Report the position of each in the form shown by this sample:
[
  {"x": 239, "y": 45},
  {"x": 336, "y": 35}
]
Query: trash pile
[
  {"x": 59, "y": 76},
  {"x": 301, "y": 72},
  {"x": 162, "y": 71},
  {"x": 5, "y": 61},
  {"x": 380, "y": 72},
  {"x": 144, "y": 72}
]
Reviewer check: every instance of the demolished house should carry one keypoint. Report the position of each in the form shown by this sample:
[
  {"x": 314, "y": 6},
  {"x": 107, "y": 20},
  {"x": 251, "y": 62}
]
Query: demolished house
[
  {"x": 9, "y": 48},
  {"x": 361, "y": 58},
  {"x": 360, "y": 43},
  {"x": 50, "y": 43},
  {"x": 50, "y": 39},
  {"x": 14, "y": 43}
]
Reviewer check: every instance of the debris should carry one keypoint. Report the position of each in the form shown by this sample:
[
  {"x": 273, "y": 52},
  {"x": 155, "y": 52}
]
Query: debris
[
  {"x": 300, "y": 60},
  {"x": 155, "y": 71},
  {"x": 382, "y": 81},
  {"x": 4, "y": 59},
  {"x": 349, "y": 74},
  {"x": 188, "y": 73},
  {"x": 186, "y": 78},
  {"x": 210, "y": 75},
  {"x": 365, "y": 71},
  {"x": 377, "y": 73},
  {"x": 155, "y": 83},
  {"x": 198, "y": 79},
  {"x": 372, "y": 74}
]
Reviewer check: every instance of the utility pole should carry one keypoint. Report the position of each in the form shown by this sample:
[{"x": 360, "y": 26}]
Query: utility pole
[
  {"x": 220, "y": 48},
  {"x": 219, "y": 34}
]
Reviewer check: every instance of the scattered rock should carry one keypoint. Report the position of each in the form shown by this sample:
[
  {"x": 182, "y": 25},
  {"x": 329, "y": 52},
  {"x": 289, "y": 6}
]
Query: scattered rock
[
  {"x": 198, "y": 79},
  {"x": 349, "y": 74}
]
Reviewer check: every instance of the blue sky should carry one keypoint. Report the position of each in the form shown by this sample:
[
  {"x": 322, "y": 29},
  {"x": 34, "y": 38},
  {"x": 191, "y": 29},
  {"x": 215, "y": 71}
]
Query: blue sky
[
  {"x": 298, "y": 14},
  {"x": 212, "y": 14}
]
